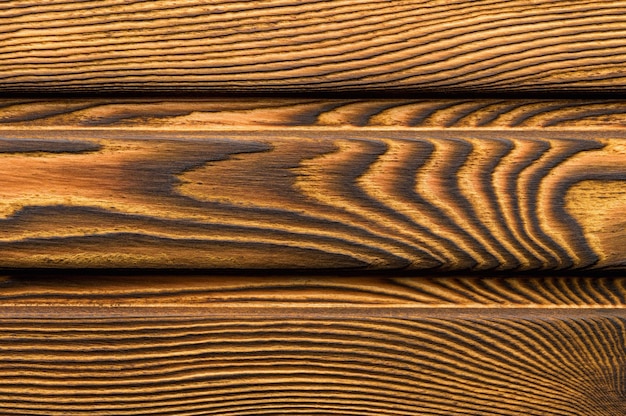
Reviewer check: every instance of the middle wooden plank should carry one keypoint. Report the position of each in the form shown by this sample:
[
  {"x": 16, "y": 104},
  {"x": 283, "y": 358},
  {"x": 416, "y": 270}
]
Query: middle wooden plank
[{"x": 303, "y": 196}]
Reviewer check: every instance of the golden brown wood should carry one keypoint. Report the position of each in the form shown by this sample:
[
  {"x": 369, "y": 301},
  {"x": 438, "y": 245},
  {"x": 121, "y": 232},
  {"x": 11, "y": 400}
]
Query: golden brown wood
[
  {"x": 321, "y": 185},
  {"x": 222, "y": 345},
  {"x": 534, "y": 364},
  {"x": 339, "y": 45},
  {"x": 257, "y": 114},
  {"x": 202, "y": 185},
  {"x": 41, "y": 294}
]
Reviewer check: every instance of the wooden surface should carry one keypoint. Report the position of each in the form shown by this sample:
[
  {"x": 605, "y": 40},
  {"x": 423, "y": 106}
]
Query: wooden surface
[
  {"x": 301, "y": 113},
  {"x": 292, "y": 46},
  {"x": 314, "y": 345},
  {"x": 274, "y": 184},
  {"x": 313, "y": 256},
  {"x": 39, "y": 293},
  {"x": 537, "y": 365}
]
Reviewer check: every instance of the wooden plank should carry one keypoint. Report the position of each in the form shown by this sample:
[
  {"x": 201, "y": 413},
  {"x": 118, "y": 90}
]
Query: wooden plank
[
  {"x": 302, "y": 113},
  {"x": 104, "y": 294},
  {"x": 293, "y": 46},
  {"x": 542, "y": 363},
  {"x": 262, "y": 185},
  {"x": 239, "y": 344}
]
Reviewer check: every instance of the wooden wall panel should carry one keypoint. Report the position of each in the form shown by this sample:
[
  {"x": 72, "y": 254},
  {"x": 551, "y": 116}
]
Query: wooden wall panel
[
  {"x": 292, "y": 46},
  {"x": 352, "y": 248}
]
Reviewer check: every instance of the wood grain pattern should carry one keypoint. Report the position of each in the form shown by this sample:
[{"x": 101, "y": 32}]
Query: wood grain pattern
[
  {"x": 233, "y": 344},
  {"x": 36, "y": 292},
  {"x": 427, "y": 365},
  {"x": 291, "y": 46},
  {"x": 273, "y": 113},
  {"x": 261, "y": 184}
]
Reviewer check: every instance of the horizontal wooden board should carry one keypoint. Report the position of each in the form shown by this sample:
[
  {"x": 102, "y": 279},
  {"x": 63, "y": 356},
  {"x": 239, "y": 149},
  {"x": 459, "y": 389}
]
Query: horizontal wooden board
[
  {"x": 275, "y": 113},
  {"x": 326, "y": 344},
  {"x": 273, "y": 184},
  {"x": 532, "y": 364},
  {"x": 293, "y": 46},
  {"x": 145, "y": 293}
]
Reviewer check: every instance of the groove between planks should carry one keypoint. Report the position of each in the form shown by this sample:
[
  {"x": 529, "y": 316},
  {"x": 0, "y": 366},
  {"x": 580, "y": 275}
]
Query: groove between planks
[{"x": 339, "y": 45}]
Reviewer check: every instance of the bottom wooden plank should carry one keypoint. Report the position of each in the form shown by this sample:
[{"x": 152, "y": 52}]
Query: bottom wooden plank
[
  {"x": 304, "y": 345},
  {"x": 426, "y": 365}
]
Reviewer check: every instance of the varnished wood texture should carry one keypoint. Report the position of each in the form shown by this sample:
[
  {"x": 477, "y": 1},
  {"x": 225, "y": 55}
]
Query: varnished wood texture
[
  {"x": 313, "y": 184},
  {"x": 339, "y": 45}
]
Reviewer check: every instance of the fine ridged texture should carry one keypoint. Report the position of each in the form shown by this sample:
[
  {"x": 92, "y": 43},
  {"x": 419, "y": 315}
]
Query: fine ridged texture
[
  {"x": 326, "y": 199},
  {"x": 47, "y": 291},
  {"x": 312, "y": 208},
  {"x": 493, "y": 366},
  {"x": 257, "y": 114},
  {"x": 294, "y": 46}
]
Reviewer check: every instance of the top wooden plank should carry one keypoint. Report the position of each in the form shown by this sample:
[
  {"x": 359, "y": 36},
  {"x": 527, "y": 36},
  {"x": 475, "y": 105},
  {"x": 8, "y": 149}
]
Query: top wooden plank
[{"x": 315, "y": 46}]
